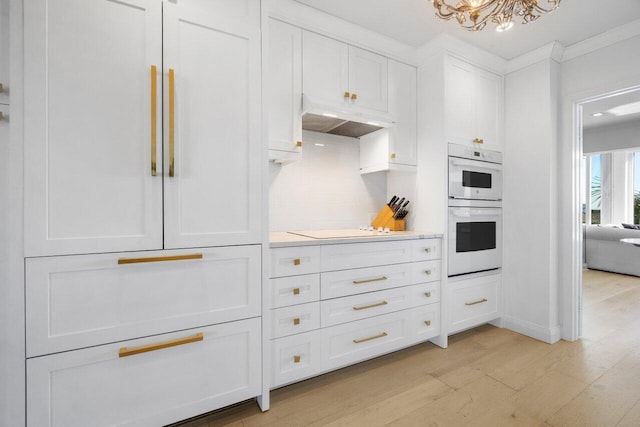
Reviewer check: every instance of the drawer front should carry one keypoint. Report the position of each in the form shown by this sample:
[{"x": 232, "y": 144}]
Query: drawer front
[
  {"x": 86, "y": 300},
  {"x": 355, "y": 255},
  {"x": 425, "y": 271},
  {"x": 352, "y": 342},
  {"x": 295, "y": 261},
  {"x": 295, "y": 358},
  {"x": 96, "y": 387},
  {"x": 474, "y": 302},
  {"x": 294, "y": 290},
  {"x": 426, "y": 249},
  {"x": 356, "y": 307},
  {"x": 425, "y": 323},
  {"x": 350, "y": 282},
  {"x": 295, "y": 319}
]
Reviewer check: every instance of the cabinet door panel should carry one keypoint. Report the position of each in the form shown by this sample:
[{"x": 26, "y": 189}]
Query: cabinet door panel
[
  {"x": 214, "y": 198},
  {"x": 325, "y": 68},
  {"x": 459, "y": 101},
  {"x": 403, "y": 104},
  {"x": 368, "y": 79},
  {"x": 489, "y": 109},
  {"x": 88, "y": 182}
]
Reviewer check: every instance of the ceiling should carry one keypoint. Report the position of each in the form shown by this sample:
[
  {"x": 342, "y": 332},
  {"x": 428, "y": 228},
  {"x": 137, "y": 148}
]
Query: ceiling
[
  {"x": 413, "y": 22},
  {"x": 602, "y": 105}
]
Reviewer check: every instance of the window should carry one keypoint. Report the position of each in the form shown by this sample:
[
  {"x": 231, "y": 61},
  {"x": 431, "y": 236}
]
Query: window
[
  {"x": 595, "y": 180},
  {"x": 636, "y": 187}
]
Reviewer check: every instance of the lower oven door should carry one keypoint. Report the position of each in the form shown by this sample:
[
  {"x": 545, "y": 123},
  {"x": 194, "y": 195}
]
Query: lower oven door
[{"x": 475, "y": 240}]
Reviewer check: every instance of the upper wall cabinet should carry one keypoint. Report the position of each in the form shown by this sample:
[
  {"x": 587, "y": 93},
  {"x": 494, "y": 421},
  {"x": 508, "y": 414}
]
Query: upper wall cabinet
[
  {"x": 285, "y": 91},
  {"x": 101, "y": 173},
  {"x": 4, "y": 52},
  {"x": 473, "y": 105},
  {"x": 337, "y": 74}
]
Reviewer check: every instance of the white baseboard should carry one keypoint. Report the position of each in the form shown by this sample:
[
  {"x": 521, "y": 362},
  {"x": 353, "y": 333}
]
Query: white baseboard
[{"x": 550, "y": 336}]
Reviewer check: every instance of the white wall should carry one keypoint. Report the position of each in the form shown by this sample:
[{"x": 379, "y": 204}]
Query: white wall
[
  {"x": 619, "y": 136},
  {"x": 530, "y": 201},
  {"x": 324, "y": 190},
  {"x": 611, "y": 68}
]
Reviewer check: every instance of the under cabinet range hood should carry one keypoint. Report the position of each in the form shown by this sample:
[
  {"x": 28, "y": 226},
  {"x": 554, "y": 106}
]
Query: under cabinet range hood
[{"x": 345, "y": 121}]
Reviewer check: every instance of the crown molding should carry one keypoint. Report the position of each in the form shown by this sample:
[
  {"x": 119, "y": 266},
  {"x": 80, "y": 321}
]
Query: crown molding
[
  {"x": 600, "y": 41},
  {"x": 553, "y": 50}
]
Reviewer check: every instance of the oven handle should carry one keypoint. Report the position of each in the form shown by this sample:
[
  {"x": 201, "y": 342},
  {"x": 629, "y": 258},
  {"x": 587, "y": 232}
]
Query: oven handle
[
  {"x": 477, "y": 164},
  {"x": 468, "y": 213}
]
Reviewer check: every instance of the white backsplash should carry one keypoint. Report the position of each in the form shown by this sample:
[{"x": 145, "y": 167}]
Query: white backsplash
[{"x": 324, "y": 190}]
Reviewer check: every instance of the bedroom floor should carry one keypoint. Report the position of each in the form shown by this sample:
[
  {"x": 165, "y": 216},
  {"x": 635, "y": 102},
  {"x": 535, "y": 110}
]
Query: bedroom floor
[{"x": 487, "y": 377}]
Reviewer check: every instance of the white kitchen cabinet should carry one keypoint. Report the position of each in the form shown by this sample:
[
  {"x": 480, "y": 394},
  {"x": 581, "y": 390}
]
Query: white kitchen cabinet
[
  {"x": 285, "y": 91},
  {"x": 5, "y": 84},
  {"x": 173, "y": 377},
  {"x": 395, "y": 148},
  {"x": 473, "y": 105},
  {"x": 473, "y": 301},
  {"x": 337, "y": 74},
  {"x": 92, "y": 142}
]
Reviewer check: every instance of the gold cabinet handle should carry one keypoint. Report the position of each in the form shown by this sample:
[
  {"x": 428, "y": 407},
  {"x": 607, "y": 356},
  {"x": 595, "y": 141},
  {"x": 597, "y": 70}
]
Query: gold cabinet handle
[
  {"x": 159, "y": 259},
  {"x": 427, "y": 322},
  {"x": 296, "y": 321},
  {"x": 393, "y": 155},
  {"x": 346, "y": 94},
  {"x": 298, "y": 143},
  {"x": 172, "y": 121},
  {"x": 296, "y": 291},
  {"x": 378, "y": 279},
  {"x": 154, "y": 117},
  {"x": 364, "y": 307},
  {"x": 427, "y": 294},
  {"x": 296, "y": 359},
  {"x": 427, "y": 272},
  {"x": 478, "y": 140},
  {"x": 296, "y": 261},
  {"x": 476, "y": 302},
  {"x": 124, "y": 351},
  {"x": 384, "y": 334},
  {"x": 354, "y": 96}
]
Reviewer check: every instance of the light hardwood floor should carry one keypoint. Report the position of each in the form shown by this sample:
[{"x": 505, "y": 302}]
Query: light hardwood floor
[{"x": 487, "y": 377}]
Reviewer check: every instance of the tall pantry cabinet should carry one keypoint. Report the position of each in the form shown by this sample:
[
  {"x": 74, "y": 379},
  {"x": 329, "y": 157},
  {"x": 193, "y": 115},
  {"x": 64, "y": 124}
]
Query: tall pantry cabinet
[{"x": 143, "y": 208}]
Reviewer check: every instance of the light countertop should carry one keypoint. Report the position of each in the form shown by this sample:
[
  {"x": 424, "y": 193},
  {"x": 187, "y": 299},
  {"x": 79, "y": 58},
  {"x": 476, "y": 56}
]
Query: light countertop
[{"x": 278, "y": 239}]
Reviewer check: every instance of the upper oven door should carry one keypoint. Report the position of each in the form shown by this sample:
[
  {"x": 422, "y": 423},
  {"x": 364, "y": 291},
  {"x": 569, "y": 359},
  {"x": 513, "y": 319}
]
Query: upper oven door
[{"x": 474, "y": 179}]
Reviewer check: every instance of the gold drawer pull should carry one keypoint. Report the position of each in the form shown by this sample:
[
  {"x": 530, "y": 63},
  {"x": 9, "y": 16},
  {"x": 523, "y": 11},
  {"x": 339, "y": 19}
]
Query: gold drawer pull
[
  {"x": 392, "y": 155},
  {"x": 427, "y": 272},
  {"x": 296, "y": 359},
  {"x": 364, "y": 307},
  {"x": 296, "y": 291},
  {"x": 159, "y": 258},
  {"x": 124, "y": 351},
  {"x": 476, "y": 302},
  {"x": 296, "y": 261},
  {"x": 478, "y": 140},
  {"x": 298, "y": 143},
  {"x": 427, "y": 322},
  {"x": 378, "y": 279},
  {"x": 427, "y": 294},
  {"x": 354, "y": 96},
  {"x": 346, "y": 94},
  {"x": 296, "y": 321},
  {"x": 375, "y": 337}
]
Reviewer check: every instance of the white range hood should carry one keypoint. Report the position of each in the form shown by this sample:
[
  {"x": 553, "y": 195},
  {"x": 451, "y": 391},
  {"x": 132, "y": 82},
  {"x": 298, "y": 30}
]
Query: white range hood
[{"x": 348, "y": 121}]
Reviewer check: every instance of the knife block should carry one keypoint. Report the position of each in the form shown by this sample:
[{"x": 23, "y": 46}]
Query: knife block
[{"x": 385, "y": 219}]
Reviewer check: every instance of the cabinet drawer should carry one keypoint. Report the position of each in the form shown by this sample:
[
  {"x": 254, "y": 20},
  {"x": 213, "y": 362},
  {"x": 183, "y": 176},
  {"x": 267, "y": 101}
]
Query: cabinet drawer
[
  {"x": 295, "y": 319},
  {"x": 361, "y": 306},
  {"x": 96, "y": 387},
  {"x": 425, "y": 271},
  {"x": 426, "y": 249},
  {"x": 426, "y": 293},
  {"x": 355, "y": 255},
  {"x": 80, "y": 301},
  {"x": 425, "y": 323},
  {"x": 349, "y": 282},
  {"x": 293, "y": 290},
  {"x": 295, "y": 261},
  {"x": 473, "y": 302},
  {"x": 352, "y": 342},
  {"x": 295, "y": 357}
]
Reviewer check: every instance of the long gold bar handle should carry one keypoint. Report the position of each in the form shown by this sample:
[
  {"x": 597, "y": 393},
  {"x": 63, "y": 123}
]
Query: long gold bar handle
[
  {"x": 124, "y": 351},
  {"x": 154, "y": 117},
  {"x": 159, "y": 259},
  {"x": 476, "y": 302},
  {"x": 364, "y": 307},
  {"x": 172, "y": 121},
  {"x": 360, "y": 282},
  {"x": 384, "y": 334}
]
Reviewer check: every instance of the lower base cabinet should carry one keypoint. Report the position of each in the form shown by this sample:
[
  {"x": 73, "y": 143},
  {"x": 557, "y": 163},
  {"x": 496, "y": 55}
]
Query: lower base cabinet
[
  {"x": 147, "y": 382},
  {"x": 473, "y": 301}
]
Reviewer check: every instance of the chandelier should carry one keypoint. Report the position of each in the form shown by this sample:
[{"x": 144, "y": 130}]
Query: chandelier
[{"x": 474, "y": 14}]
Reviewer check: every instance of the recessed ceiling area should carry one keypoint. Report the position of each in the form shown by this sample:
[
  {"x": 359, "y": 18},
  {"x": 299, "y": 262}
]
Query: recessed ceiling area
[
  {"x": 414, "y": 23},
  {"x": 590, "y": 121}
]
